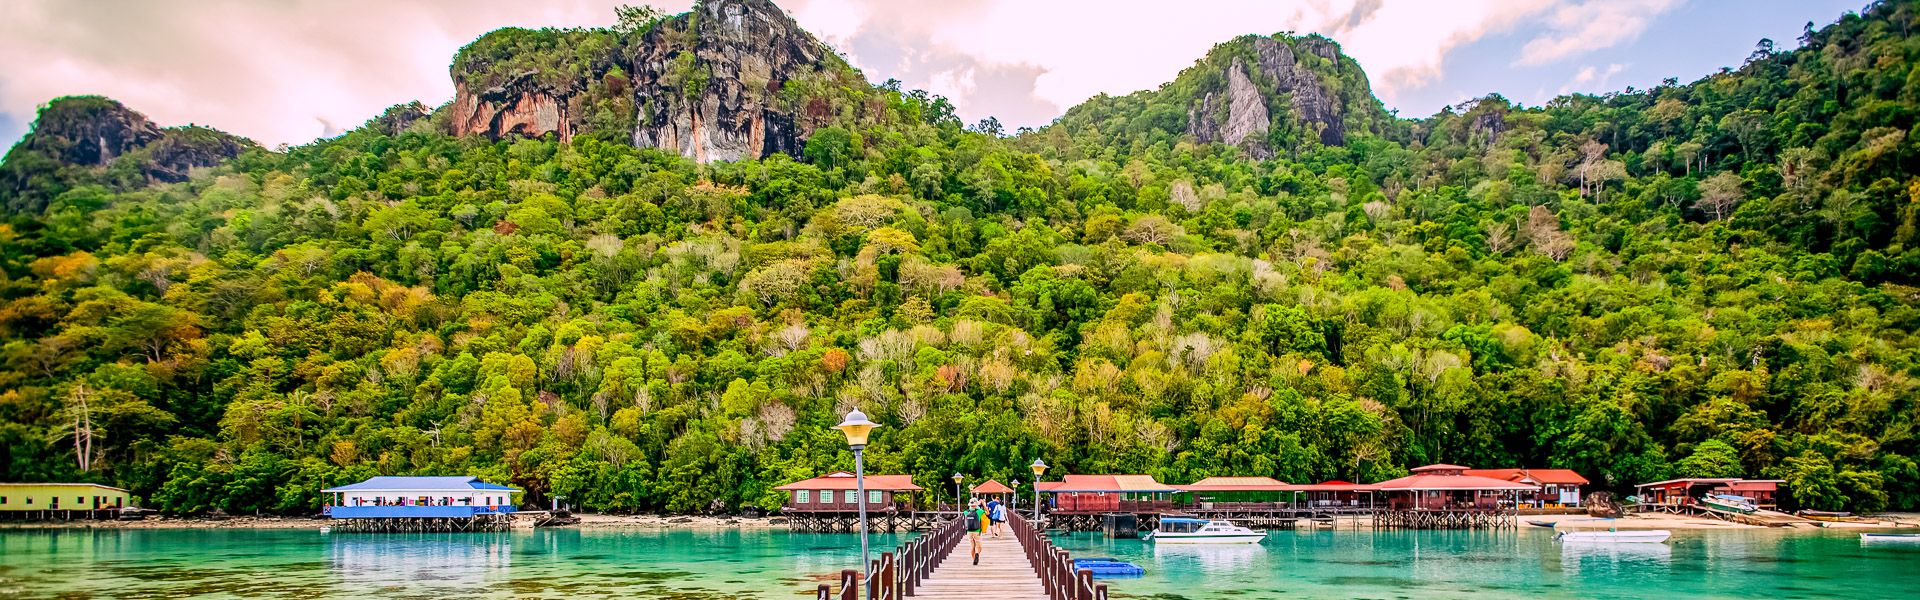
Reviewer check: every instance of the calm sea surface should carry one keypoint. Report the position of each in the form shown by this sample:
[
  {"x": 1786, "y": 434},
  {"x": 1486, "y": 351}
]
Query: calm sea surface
[{"x": 781, "y": 565}]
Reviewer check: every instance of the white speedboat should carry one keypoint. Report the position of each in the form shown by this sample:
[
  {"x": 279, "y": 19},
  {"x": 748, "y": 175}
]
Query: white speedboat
[
  {"x": 1910, "y": 538},
  {"x": 1644, "y": 536},
  {"x": 1177, "y": 530}
]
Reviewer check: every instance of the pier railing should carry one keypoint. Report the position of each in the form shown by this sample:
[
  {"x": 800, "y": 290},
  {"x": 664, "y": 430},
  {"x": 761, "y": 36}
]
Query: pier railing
[
  {"x": 1057, "y": 574},
  {"x": 899, "y": 573}
]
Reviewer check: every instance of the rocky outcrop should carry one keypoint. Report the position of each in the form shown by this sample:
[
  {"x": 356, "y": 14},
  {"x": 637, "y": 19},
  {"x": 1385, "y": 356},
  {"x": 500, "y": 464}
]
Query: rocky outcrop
[
  {"x": 399, "y": 118},
  {"x": 95, "y": 140},
  {"x": 520, "y": 109},
  {"x": 1267, "y": 78},
  {"x": 1247, "y": 118},
  {"x": 718, "y": 98},
  {"x": 87, "y": 131},
  {"x": 182, "y": 149},
  {"x": 707, "y": 84}
]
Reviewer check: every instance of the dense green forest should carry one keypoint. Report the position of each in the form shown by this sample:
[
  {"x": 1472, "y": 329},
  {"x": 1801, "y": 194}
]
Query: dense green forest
[{"x": 1705, "y": 279}]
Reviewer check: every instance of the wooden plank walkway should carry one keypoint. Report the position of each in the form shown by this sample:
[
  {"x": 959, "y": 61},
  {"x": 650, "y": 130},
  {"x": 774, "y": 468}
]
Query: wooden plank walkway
[{"x": 1003, "y": 572}]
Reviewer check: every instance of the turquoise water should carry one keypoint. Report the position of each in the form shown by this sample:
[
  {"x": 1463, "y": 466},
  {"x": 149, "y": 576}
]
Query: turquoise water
[{"x": 776, "y": 564}]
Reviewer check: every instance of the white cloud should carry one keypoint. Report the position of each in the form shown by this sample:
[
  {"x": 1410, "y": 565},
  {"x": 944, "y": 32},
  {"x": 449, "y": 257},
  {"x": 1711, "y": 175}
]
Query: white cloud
[
  {"x": 1590, "y": 78},
  {"x": 275, "y": 72},
  {"x": 291, "y": 71},
  {"x": 1575, "y": 29}
]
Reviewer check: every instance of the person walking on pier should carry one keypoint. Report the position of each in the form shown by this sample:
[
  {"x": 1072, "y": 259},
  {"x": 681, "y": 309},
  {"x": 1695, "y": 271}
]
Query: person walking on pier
[
  {"x": 976, "y": 517},
  {"x": 997, "y": 513}
]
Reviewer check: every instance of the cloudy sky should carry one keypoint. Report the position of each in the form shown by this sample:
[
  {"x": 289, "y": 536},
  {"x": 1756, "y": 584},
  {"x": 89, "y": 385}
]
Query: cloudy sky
[{"x": 289, "y": 71}]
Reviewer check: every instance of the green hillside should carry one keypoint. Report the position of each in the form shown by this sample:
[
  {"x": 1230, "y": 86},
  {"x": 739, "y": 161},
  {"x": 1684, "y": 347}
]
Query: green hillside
[{"x": 1705, "y": 279}]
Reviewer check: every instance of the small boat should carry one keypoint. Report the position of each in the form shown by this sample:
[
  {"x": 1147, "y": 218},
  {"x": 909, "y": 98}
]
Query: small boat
[
  {"x": 1546, "y": 524},
  {"x": 1730, "y": 503},
  {"x": 1108, "y": 567},
  {"x": 1829, "y": 516},
  {"x": 1642, "y": 536},
  {"x": 1911, "y": 538},
  {"x": 1178, "y": 530}
]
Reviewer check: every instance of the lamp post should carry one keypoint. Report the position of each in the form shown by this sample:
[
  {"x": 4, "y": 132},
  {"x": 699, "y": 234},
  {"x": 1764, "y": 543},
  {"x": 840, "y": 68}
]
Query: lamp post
[
  {"x": 957, "y": 500},
  {"x": 1039, "y": 468},
  {"x": 1016, "y": 497},
  {"x": 856, "y": 427}
]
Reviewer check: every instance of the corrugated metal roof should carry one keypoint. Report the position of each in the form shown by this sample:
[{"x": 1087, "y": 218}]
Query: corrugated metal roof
[
  {"x": 104, "y": 487},
  {"x": 1550, "y": 476},
  {"x": 842, "y": 480},
  {"x": 1235, "y": 484},
  {"x": 992, "y": 487},
  {"x": 1107, "y": 483},
  {"x": 391, "y": 483},
  {"x": 1424, "y": 481}
]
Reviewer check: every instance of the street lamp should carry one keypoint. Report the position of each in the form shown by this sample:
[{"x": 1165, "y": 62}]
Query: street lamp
[
  {"x": 1039, "y": 468},
  {"x": 956, "y": 492},
  {"x": 1016, "y": 497},
  {"x": 856, "y": 427}
]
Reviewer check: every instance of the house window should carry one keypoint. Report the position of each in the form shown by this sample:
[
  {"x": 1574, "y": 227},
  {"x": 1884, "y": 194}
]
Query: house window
[
  {"x": 3, "y": 499},
  {"x": 805, "y": 497},
  {"x": 850, "y": 496},
  {"x": 873, "y": 497}
]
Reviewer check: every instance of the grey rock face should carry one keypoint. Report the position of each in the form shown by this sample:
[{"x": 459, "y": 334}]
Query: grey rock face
[
  {"x": 723, "y": 102},
  {"x": 707, "y": 84},
  {"x": 1248, "y": 114},
  {"x": 1313, "y": 104}
]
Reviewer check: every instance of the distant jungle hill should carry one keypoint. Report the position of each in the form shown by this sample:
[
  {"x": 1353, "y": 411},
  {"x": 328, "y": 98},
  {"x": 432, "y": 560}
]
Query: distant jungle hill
[{"x": 647, "y": 267}]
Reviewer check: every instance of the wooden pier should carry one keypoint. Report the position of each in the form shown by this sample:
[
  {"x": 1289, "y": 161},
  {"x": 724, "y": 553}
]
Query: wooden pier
[
  {"x": 849, "y": 521},
  {"x": 475, "y": 523},
  {"x": 1446, "y": 519},
  {"x": 939, "y": 566}
]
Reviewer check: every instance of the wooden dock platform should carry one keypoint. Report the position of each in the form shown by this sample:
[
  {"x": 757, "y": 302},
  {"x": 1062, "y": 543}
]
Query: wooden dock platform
[
  {"x": 1021, "y": 564},
  {"x": 1003, "y": 572}
]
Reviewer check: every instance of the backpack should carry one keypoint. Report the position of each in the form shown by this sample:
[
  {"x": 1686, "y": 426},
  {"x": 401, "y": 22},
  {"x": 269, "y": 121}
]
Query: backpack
[{"x": 973, "y": 520}]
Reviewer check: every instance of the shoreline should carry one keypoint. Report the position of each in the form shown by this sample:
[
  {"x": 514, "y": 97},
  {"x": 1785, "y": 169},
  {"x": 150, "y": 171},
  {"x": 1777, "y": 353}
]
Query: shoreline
[
  {"x": 708, "y": 523},
  {"x": 587, "y": 521}
]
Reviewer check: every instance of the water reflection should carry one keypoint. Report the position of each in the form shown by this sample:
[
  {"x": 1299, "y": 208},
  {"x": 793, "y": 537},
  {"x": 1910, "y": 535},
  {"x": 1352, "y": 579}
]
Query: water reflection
[
  {"x": 400, "y": 561},
  {"x": 1209, "y": 558},
  {"x": 1601, "y": 558}
]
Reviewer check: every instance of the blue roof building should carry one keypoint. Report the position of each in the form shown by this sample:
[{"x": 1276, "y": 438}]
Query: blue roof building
[{"x": 389, "y": 497}]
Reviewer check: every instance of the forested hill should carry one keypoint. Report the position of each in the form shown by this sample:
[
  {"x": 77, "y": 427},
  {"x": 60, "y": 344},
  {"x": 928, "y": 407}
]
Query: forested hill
[{"x": 1253, "y": 270}]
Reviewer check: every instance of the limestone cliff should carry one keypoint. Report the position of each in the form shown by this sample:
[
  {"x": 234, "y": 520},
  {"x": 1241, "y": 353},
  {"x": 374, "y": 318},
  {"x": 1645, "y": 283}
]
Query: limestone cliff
[
  {"x": 95, "y": 140},
  {"x": 710, "y": 84},
  {"x": 1304, "y": 91},
  {"x": 1262, "y": 94}
]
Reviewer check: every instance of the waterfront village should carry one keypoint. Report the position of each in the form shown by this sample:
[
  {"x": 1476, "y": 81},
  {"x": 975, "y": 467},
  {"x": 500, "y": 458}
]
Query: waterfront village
[{"x": 1224, "y": 509}]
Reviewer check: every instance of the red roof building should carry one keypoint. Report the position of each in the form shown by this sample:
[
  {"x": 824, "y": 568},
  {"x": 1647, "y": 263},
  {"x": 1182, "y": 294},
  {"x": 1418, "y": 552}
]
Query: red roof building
[
  {"x": 1447, "y": 487},
  {"x": 838, "y": 492},
  {"x": 991, "y": 488},
  {"x": 1680, "y": 492},
  {"x": 1557, "y": 487},
  {"x": 1108, "y": 493}
]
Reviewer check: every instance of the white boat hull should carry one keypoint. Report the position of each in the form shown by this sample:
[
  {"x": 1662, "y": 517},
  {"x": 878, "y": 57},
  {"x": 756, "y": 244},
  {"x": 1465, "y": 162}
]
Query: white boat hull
[
  {"x": 1652, "y": 536},
  {"x": 1890, "y": 537},
  {"x": 1189, "y": 538}
]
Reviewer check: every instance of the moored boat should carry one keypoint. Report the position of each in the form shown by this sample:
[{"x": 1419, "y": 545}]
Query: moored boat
[
  {"x": 1822, "y": 515},
  {"x": 1179, "y": 530},
  {"x": 1546, "y": 524},
  {"x": 1731, "y": 503},
  {"x": 1108, "y": 567},
  {"x": 1644, "y": 536},
  {"x": 1911, "y": 538}
]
